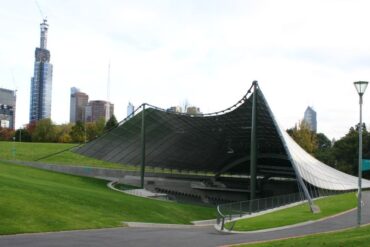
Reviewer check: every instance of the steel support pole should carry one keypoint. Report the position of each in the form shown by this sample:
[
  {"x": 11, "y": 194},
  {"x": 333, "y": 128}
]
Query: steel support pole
[
  {"x": 314, "y": 208},
  {"x": 359, "y": 196},
  {"x": 142, "y": 146},
  {"x": 253, "y": 154}
]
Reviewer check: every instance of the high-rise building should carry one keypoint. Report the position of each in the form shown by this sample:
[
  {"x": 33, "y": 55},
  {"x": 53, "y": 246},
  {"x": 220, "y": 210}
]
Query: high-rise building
[
  {"x": 97, "y": 109},
  {"x": 78, "y": 102},
  {"x": 130, "y": 109},
  {"x": 174, "y": 109},
  {"x": 41, "y": 82},
  {"x": 193, "y": 110},
  {"x": 310, "y": 118},
  {"x": 75, "y": 90},
  {"x": 7, "y": 108}
]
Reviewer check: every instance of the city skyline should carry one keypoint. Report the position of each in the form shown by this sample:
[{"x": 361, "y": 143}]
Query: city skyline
[{"x": 163, "y": 53}]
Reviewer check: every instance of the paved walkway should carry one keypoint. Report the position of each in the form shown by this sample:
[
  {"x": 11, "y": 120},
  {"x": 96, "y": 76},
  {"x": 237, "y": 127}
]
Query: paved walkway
[{"x": 197, "y": 236}]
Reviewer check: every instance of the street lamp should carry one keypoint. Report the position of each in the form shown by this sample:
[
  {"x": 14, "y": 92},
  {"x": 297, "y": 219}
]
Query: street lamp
[{"x": 360, "y": 87}]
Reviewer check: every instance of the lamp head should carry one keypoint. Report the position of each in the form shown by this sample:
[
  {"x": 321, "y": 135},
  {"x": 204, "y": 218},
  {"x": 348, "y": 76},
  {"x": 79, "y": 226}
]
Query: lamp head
[{"x": 360, "y": 87}]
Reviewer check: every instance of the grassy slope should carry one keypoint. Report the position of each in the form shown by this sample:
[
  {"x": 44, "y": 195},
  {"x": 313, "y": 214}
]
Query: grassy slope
[
  {"x": 357, "y": 237},
  {"x": 32, "y": 151},
  {"x": 34, "y": 200},
  {"x": 329, "y": 206},
  {"x": 28, "y": 151}
]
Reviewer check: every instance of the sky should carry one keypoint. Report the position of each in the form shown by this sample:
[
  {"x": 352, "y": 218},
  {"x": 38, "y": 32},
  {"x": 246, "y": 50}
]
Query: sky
[{"x": 302, "y": 53}]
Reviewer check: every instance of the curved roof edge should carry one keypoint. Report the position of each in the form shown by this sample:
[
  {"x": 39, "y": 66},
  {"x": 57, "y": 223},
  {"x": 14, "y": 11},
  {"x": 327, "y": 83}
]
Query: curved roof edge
[
  {"x": 316, "y": 172},
  {"x": 312, "y": 170}
]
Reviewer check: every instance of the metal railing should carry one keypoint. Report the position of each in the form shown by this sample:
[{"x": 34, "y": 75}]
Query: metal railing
[
  {"x": 230, "y": 211},
  {"x": 233, "y": 210}
]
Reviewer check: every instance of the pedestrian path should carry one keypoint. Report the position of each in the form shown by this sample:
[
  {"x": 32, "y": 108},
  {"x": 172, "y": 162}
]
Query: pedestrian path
[{"x": 193, "y": 236}]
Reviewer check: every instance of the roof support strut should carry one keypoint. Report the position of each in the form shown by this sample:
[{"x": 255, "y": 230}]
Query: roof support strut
[
  {"x": 314, "y": 208},
  {"x": 253, "y": 154},
  {"x": 142, "y": 173}
]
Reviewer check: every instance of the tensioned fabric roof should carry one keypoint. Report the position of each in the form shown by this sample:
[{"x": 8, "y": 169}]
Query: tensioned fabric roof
[{"x": 217, "y": 142}]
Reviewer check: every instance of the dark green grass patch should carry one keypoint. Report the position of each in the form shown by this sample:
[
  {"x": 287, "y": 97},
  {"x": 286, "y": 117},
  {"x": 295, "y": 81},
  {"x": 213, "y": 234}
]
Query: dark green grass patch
[
  {"x": 59, "y": 153},
  {"x": 30, "y": 151},
  {"x": 329, "y": 206},
  {"x": 54, "y": 153},
  {"x": 34, "y": 200}
]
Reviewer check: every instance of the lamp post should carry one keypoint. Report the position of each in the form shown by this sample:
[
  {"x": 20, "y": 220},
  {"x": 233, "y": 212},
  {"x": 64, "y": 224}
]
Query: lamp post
[{"x": 360, "y": 87}]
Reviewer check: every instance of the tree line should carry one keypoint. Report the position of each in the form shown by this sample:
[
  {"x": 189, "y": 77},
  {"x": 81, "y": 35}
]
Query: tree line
[
  {"x": 340, "y": 154},
  {"x": 46, "y": 131}
]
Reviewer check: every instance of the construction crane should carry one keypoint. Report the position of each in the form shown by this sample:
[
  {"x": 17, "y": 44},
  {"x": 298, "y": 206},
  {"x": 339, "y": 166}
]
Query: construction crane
[{"x": 40, "y": 10}]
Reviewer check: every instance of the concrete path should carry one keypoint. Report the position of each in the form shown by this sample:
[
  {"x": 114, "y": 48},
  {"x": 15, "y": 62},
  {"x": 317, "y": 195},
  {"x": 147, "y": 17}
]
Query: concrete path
[{"x": 196, "y": 236}]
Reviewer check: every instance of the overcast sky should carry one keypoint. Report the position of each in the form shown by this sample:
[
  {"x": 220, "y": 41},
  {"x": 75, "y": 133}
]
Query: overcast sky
[{"x": 303, "y": 53}]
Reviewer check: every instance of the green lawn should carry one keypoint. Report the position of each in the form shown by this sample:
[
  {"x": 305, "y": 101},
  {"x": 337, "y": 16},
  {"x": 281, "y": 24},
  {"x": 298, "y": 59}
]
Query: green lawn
[
  {"x": 34, "y": 200},
  {"x": 31, "y": 151},
  {"x": 301, "y": 213},
  {"x": 357, "y": 237}
]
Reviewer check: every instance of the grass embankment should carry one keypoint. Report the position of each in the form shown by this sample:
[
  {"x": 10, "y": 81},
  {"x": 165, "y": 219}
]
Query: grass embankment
[
  {"x": 357, "y": 237},
  {"x": 329, "y": 206},
  {"x": 34, "y": 200},
  {"x": 30, "y": 151},
  {"x": 52, "y": 153}
]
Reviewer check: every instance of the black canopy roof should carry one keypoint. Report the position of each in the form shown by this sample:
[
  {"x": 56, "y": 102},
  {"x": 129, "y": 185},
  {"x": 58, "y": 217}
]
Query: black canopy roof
[{"x": 217, "y": 142}]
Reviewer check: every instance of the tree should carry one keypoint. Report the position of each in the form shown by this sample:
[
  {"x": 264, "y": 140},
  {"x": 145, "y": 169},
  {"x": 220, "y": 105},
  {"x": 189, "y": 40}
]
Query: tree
[
  {"x": 323, "y": 141},
  {"x": 345, "y": 150},
  {"x": 78, "y": 132},
  {"x": 63, "y": 133},
  {"x": 100, "y": 124},
  {"x": 324, "y": 150},
  {"x": 112, "y": 123},
  {"x": 22, "y": 135},
  {"x": 94, "y": 129},
  {"x": 44, "y": 131},
  {"x": 303, "y": 135},
  {"x": 6, "y": 134},
  {"x": 91, "y": 131},
  {"x": 31, "y": 128}
]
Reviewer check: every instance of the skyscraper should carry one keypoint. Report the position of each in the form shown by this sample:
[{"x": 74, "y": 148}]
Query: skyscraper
[
  {"x": 41, "y": 82},
  {"x": 97, "y": 109},
  {"x": 193, "y": 110},
  {"x": 78, "y": 103},
  {"x": 310, "y": 118},
  {"x": 7, "y": 108},
  {"x": 130, "y": 109},
  {"x": 174, "y": 109}
]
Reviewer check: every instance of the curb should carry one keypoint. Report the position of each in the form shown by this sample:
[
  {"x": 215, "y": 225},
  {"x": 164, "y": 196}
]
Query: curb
[
  {"x": 285, "y": 227},
  {"x": 204, "y": 222},
  {"x": 158, "y": 225}
]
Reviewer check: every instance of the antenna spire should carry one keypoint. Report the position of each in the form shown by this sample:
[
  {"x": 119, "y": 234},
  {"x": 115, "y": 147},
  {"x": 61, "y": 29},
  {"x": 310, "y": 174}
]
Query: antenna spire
[
  {"x": 107, "y": 112},
  {"x": 44, "y": 34}
]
